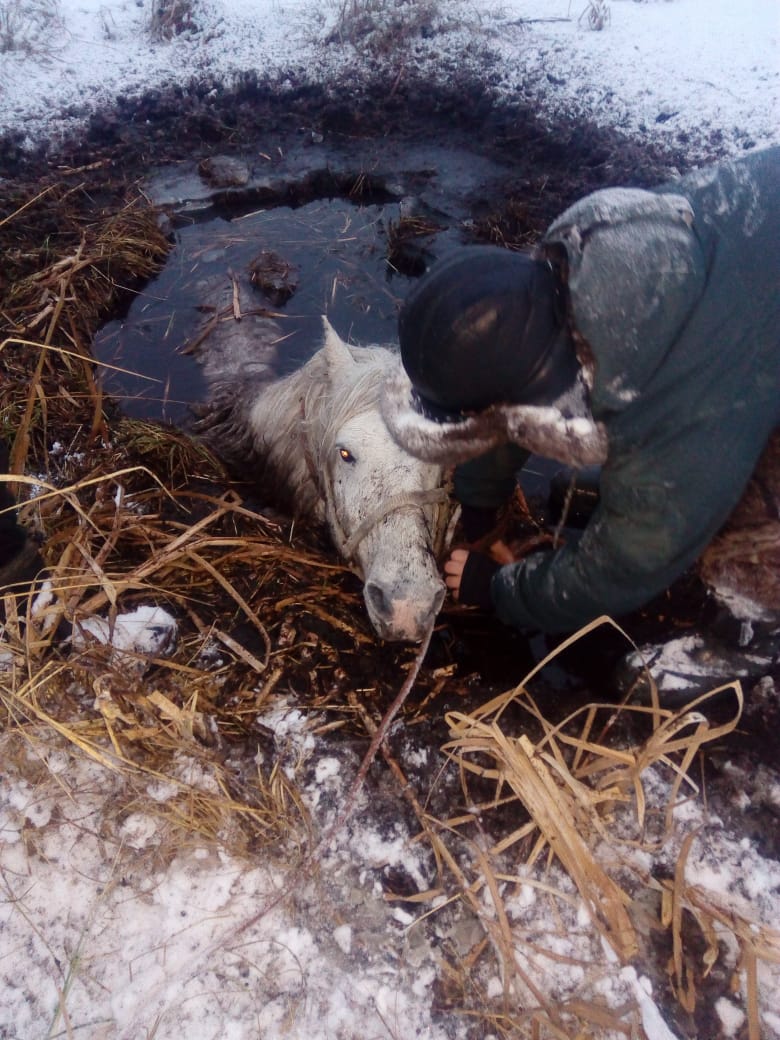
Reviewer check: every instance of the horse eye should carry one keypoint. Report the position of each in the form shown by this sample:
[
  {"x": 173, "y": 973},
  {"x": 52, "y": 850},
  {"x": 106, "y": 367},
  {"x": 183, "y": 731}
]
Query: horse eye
[{"x": 346, "y": 455}]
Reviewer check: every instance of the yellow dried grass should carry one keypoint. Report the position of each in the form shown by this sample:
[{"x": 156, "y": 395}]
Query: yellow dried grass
[
  {"x": 573, "y": 780},
  {"x": 95, "y": 527}
]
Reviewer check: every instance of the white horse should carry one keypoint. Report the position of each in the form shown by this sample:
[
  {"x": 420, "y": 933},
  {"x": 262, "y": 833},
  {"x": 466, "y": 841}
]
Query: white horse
[{"x": 317, "y": 441}]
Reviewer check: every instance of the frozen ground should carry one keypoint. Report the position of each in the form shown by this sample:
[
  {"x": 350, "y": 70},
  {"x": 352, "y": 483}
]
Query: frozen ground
[
  {"x": 112, "y": 936},
  {"x": 112, "y": 928},
  {"x": 664, "y": 67},
  {"x": 107, "y": 929}
]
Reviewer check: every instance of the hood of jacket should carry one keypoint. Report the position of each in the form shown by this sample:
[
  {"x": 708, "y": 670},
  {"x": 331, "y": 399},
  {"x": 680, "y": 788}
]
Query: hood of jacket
[{"x": 564, "y": 430}]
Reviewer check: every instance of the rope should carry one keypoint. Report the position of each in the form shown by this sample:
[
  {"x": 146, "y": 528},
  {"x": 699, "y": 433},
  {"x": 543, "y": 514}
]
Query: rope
[{"x": 406, "y": 500}]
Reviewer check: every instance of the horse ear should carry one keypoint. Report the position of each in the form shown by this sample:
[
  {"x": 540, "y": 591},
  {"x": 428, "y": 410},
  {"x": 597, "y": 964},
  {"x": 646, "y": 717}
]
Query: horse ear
[{"x": 338, "y": 354}]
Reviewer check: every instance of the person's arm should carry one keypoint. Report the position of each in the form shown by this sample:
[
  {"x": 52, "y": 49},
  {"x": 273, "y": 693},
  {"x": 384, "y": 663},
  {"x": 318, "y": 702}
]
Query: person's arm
[
  {"x": 655, "y": 517},
  {"x": 483, "y": 485},
  {"x": 488, "y": 481},
  {"x": 621, "y": 562}
]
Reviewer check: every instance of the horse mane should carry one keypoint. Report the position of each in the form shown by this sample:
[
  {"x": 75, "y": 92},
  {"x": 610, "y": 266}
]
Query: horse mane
[
  {"x": 281, "y": 432},
  {"x": 295, "y": 422}
]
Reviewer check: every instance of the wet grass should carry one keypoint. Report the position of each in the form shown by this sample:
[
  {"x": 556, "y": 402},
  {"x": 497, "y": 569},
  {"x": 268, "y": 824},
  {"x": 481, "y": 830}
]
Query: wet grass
[{"x": 131, "y": 512}]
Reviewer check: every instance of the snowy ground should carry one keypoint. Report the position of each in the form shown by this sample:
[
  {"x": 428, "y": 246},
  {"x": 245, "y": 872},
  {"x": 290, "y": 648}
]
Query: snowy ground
[
  {"x": 661, "y": 67},
  {"x": 112, "y": 928},
  {"x": 105, "y": 933},
  {"x": 115, "y": 943}
]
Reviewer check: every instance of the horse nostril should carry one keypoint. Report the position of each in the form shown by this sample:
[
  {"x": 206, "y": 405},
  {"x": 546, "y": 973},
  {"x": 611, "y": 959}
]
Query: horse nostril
[
  {"x": 398, "y": 615},
  {"x": 377, "y": 598}
]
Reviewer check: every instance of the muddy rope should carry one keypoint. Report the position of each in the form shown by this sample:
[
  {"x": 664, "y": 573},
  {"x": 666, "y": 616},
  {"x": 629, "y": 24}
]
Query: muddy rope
[
  {"x": 407, "y": 500},
  {"x": 377, "y": 740}
]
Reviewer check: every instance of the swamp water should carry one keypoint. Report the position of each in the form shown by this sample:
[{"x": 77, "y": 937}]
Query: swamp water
[
  {"x": 352, "y": 243},
  {"x": 335, "y": 250}
]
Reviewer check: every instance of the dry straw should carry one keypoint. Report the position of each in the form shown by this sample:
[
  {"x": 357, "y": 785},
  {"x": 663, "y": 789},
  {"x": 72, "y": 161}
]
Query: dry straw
[
  {"x": 584, "y": 794},
  {"x": 118, "y": 718},
  {"x": 142, "y": 514},
  {"x": 384, "y": 27},
  {"x": 170, "y": 18}
]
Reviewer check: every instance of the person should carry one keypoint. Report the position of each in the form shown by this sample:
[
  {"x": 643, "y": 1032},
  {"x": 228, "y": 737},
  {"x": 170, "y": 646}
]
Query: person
[{"x": 642, "y": 336}]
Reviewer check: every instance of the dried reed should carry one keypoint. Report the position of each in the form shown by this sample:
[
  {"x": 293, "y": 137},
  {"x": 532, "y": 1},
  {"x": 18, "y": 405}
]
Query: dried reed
[{"x": 584, "y": 794}]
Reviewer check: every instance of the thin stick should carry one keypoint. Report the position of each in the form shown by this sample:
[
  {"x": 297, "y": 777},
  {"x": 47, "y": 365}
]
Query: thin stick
[{"x": 376, "y": 742}]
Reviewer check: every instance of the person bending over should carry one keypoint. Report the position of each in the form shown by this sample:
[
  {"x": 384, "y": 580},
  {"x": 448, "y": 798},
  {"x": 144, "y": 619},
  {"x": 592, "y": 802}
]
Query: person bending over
[{"x": 641, "y": 336}]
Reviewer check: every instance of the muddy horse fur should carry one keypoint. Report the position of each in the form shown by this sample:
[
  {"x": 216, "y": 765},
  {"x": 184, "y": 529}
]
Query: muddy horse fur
[{"x": 316, "y": 444}]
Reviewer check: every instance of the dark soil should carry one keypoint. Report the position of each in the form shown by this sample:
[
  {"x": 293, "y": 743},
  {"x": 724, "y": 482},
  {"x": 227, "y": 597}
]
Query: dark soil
[
  {"x": 199, "y": 121},
  {"x": 542, "y": 169}
]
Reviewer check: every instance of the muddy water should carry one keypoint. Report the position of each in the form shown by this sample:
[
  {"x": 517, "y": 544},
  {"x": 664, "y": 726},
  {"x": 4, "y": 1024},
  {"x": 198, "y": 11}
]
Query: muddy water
[
  {"x": 335, "y": 247},
  {"x": 335, "y": 236}
]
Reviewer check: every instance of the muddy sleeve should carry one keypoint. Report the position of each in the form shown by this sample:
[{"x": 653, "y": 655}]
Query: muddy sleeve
[
  {"x": 650, "y": 525},
  {"x": 620, "y": 563},
  {"x": 488, "y": 481}
]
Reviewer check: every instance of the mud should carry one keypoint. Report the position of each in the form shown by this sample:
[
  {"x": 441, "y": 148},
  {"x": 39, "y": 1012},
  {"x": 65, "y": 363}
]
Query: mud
[{"x": 319, "y": 177}]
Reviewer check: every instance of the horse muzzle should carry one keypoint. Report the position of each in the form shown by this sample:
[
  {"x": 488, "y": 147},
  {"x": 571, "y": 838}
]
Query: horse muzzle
[{"x": 402, "y": 614}]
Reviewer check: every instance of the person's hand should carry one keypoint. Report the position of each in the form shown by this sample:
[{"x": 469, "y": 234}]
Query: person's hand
[
  {"x": 468, "y": 574},
  {"x": 453, "y": 570}
]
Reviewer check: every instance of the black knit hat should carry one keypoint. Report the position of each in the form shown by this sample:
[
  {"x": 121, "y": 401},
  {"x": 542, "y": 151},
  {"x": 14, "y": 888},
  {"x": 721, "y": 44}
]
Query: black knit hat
[{"x": 485, "y": 326}]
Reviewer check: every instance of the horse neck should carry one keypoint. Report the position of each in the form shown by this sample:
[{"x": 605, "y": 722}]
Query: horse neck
[
  {"x": 277, "y": 420},
  {"x": 296, "y": 423}
]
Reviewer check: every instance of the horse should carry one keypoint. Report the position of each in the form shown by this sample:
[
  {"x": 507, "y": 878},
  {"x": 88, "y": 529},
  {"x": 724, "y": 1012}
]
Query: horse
[{"x": 316, "y": 440}]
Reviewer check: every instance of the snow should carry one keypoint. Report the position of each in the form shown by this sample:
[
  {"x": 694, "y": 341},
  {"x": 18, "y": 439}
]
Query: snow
[
  {"x": 702, "y": 67},
  {"x": 120, "y": 941},
  {"x": 145, "y": 632},
  {"x": 660, "y": 66},
  {"x": 688, "y": 661},
  {"x": 731, "y": 1017},
  {"x": 654, "y": 1026},
  {"x": 111, "y": 930}
]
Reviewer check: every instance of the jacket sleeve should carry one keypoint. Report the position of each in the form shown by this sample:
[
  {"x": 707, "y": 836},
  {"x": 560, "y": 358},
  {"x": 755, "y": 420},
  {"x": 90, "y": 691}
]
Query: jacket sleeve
[
  {"x": 488, "y": 481},
  {"x": 652, "y": 522},
  {"x": 620, "y": 562}
]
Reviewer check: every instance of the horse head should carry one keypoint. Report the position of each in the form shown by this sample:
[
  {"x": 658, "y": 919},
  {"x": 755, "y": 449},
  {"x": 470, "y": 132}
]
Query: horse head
[
  {"x": 315, "y": 441},
  {"x": 385, "y": 510}
]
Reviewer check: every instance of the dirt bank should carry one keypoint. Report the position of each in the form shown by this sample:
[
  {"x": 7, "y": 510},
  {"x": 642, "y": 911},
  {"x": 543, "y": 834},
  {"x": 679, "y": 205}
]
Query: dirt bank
[{"x": 80, "y": 240}]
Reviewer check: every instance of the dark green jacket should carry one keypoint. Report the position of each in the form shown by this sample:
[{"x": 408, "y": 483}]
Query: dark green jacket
[{"x": 677, "y": 293}]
